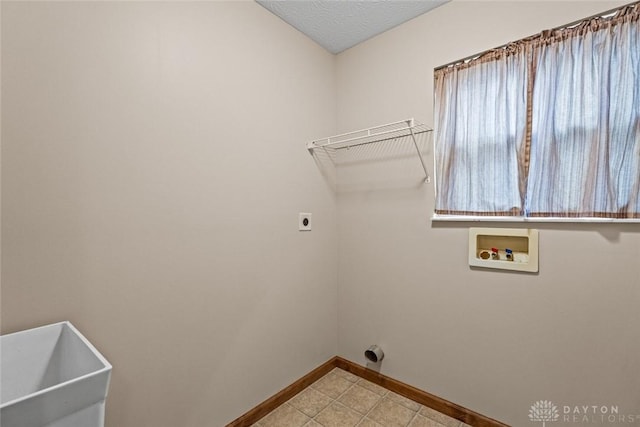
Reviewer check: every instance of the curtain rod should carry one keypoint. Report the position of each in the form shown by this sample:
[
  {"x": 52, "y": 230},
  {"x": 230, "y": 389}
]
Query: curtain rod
[{"x": 571, "y": 24}]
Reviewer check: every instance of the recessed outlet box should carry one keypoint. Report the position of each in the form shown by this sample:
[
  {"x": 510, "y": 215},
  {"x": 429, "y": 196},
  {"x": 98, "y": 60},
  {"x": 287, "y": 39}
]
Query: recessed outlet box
[
  {"x": 304, "y": 221},
  {"x": 504, "y": 248}
]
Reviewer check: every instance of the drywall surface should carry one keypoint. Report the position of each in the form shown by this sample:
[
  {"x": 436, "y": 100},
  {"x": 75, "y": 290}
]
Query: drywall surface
[
  {"x": 495, "y": 342},
  {"x": 153, "y": 169}
]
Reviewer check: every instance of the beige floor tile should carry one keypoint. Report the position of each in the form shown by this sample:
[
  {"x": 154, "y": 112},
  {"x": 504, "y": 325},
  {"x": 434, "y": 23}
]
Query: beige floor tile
[
  {"x": 341, "y": 399},
  {"x": 372, "y": 387},
  {"x": 360, "y": 399},
  {"x": 337, "y": 415},
  {"x": 332, "y": 385},
  {"x": 310, "y": 402},
  {"x": 391, "y": 414},
  {"x": 366, "y": 422},
  {"x": 346, "y": 375},
  {"x": 439, "y": 417},
  {"x": 420, "y": 421},
  {"x": 407, "y": 403},
  {"x": 284, "y": 415}
]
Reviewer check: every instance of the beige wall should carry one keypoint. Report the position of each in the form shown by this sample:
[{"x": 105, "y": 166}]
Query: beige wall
[
  {"x": 153, "y": 169},
  {"x": 495, "y": 342}
]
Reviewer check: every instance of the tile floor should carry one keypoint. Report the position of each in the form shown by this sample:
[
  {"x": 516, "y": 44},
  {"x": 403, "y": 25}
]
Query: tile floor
[{"x": 341, "y": 399}]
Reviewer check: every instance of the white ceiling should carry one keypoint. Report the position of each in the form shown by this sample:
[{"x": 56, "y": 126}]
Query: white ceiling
[{"x": 337, "y": 25}]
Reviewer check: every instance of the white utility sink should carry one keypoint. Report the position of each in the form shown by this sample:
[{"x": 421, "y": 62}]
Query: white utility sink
[{"x": 52, "y": 377}]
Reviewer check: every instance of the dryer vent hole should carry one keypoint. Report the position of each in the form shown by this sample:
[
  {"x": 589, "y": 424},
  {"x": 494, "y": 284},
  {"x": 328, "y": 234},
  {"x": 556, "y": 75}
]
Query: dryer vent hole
[{"x": 371, "y": 356}]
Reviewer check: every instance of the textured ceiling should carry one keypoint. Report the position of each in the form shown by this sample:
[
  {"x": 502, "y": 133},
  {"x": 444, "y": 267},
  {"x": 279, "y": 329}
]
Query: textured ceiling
[{"x": 337, "y": 25}]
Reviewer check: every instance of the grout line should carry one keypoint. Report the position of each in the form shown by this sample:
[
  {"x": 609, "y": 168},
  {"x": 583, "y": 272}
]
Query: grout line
[
  {"x": 297, "y": 410},
  {"x": 449, "y": 410},
  {"x": 332, "y": 399},
  {"x": 386, "y": 391},
  {"x": 374, "y": 407},
  {"x": 385, "y": 396},
  {"x": 362, "y": 420},
  {"x": 345, "y": 392},
  {"x": 414, "y": 417},
  {"x": 381, "y": 398},
  {"x": 353, "y": 384},
  {"x": 325, "y": 394}
]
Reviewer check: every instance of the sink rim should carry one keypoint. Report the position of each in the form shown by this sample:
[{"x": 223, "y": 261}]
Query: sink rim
[{"x": 65, "y": 323}]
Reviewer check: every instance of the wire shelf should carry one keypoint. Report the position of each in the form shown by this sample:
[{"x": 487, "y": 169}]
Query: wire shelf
[{"x": 404, "y": 129}]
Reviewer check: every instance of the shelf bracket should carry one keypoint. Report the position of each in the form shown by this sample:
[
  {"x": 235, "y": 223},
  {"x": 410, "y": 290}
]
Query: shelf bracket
[{"x": 427, "y": 178}]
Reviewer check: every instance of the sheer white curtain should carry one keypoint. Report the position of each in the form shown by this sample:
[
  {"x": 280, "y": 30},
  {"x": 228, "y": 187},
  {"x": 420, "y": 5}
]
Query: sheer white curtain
[
  {"x": 585, "y": 147},
  {"x": 548, "y": 126},
  {"x": 480, "y": 131}
]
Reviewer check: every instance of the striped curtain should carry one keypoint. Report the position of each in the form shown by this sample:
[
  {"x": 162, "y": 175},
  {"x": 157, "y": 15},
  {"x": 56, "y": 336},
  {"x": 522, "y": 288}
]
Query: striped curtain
[
  {"x": 547, "y": 126},
  {"x": 585, "y": 148},
  {"x": 480, "y": 134}
]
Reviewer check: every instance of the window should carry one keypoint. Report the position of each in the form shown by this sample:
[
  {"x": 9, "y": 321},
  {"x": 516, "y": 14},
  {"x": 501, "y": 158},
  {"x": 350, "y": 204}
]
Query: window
[{"x": 548, "y": 126}]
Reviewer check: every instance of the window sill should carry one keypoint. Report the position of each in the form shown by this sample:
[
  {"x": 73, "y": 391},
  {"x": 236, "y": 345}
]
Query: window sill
[{"x": 471, "y": 218}]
